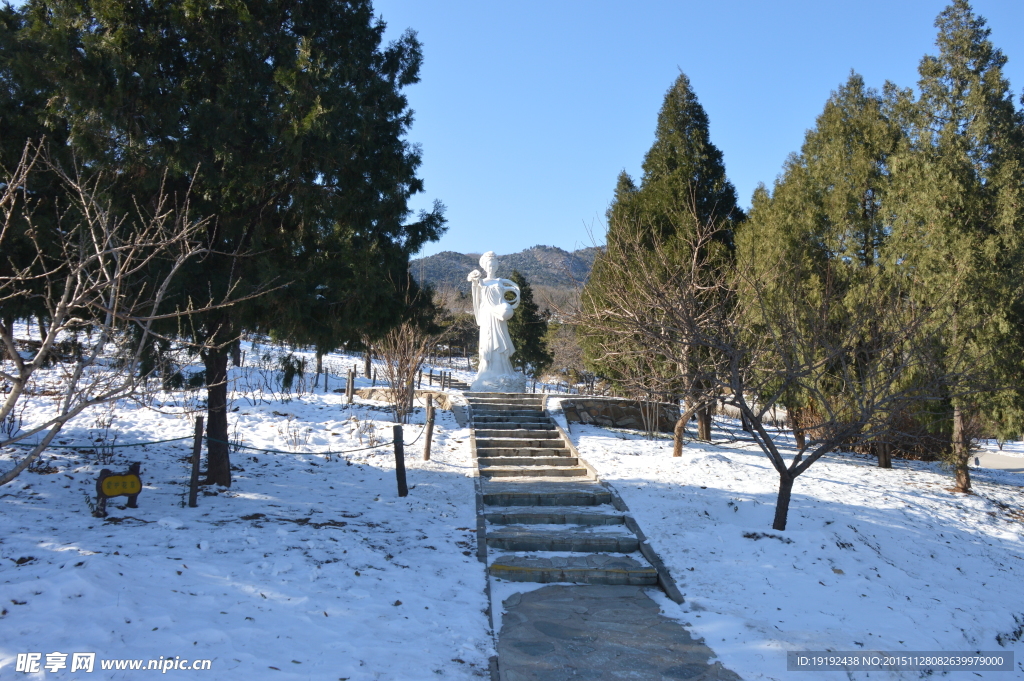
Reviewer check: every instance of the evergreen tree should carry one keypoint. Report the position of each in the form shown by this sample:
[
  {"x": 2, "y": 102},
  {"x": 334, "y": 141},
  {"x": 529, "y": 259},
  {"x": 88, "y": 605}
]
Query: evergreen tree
[
  {"x": 23, "y": 97},
  {"x": 684, "y": 171},
  {"x": 961, "y": 184},
  {"x": 684, "y": 188},
  {"x": 527, "y": 328},
  {"x": 283, "y": 119},
  {"x": 826, "y": 220}
]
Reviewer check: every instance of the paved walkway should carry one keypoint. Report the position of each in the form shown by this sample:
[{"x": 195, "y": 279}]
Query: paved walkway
[
  {"x": 553, "y": 521},
  {"x": 597, "y": 633},
  {"x": 1013, "y": 464}
]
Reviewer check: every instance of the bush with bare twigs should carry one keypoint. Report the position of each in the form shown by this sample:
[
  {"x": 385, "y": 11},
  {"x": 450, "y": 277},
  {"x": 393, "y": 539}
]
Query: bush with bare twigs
[{"x": 99, "y": 279}]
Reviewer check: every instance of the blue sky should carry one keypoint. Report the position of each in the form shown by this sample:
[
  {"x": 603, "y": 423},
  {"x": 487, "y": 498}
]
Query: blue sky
[{"x": 527, "y": 111}]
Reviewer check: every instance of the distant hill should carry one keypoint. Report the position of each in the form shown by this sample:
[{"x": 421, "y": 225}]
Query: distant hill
[{"x": 545, "y": 266}]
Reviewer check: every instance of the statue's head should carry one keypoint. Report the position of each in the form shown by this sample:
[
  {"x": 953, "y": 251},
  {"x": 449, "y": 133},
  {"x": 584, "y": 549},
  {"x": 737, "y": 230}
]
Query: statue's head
[{"x": 489, "y": 261}]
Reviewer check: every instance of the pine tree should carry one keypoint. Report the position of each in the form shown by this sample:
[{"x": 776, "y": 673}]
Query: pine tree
[
  {"x": 284, "y": 120},
  {"x": 23, "y": 98},
  {"x": 684, "y": 171},
  {"x": 961, "y": 183},
  {"x": 684, "y": 187},
  {"x": 527, "y": 328}
]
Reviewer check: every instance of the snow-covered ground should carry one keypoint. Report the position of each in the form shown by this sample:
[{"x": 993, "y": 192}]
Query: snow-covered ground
[
  {"x": 871, "y": 559},
  {"x": 311, "y": 567},
  {"x": 308, "y": 567}
]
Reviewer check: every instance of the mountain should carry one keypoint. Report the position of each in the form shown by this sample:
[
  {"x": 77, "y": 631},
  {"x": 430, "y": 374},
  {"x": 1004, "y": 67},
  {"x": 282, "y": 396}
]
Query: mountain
[{"x": 546, "y": 266}]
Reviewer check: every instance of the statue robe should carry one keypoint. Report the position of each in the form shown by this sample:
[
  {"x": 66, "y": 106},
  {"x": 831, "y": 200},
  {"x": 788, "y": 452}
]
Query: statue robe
[{"x": 492, "y": 311}]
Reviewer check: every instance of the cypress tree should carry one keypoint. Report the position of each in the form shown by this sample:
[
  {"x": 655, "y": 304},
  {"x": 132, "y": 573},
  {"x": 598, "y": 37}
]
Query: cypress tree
[
  {"x": 527, "y": 328},
  {"x": 683, "y": 185},
  {"x": 684, "y": 171},
  {"x": 961, "y": 182},
  {"x": 826, "y": 219},
  {"x": 284, "y": 120}
]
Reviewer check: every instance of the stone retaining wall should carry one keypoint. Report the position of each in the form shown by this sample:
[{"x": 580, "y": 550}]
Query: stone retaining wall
[
  {"x": 442, "y": 400},
  {"x": 620, "y": 413}
]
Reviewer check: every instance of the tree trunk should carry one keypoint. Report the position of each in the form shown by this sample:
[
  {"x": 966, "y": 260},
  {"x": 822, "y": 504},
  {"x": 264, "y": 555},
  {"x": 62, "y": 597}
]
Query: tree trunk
[
  {"x": 8, "y": 323},
  {"x": 782, "y": 503},
  {"x": 680, "y": 429},
  {"x": 884, "y": 450},
  {"x": 42, "y": 328},
  {"x": 798, "y": 432},
  {"x": 677, "y": 435},
  {"x": 217, "y": 453},
  {"x": 961, "y": 452},
  {"x": 236, "y": 354},
  {"x": 704, "y": 425}
]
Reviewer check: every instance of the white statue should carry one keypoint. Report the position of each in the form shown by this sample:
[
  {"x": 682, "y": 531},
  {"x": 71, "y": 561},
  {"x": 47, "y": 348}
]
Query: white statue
[{"x": 492, "y": 311}]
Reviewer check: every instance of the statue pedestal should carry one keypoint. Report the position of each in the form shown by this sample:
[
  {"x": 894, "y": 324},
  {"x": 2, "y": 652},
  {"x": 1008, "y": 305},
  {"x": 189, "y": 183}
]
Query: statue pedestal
[{"x": 499, "y": 383}]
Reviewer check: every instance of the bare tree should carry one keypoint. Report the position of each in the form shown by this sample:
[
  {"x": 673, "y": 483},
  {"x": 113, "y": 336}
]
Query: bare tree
[
  {"x": 101, "y": 279},
  {"x": 747, "y": 337},
  {"x": 403, "y": 350}
]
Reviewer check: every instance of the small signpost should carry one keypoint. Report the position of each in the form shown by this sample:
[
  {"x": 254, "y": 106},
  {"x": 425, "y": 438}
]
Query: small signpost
[{"x": 112, "y": 484}]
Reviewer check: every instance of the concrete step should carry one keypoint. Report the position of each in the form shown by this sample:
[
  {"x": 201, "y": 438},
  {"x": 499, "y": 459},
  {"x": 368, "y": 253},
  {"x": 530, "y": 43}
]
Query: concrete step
[
  {"x": 513, "y": 425},
  {"x": 586, "y": 569},
  {"x": 502, "y": 418},
  {"x": 555, "y": 515},
  {"x": 528, "y": 460},
  {"x": 506, "y": 407},
  {"x": 528, "y": 492},
  {"x": 491, "y": 452},
  {"x": 488, "y": 411},
  {"x": 505, "y": 397},
  {"x": 575, "y": 538},
  {"x": 490, "y": 442},
  {"x": 518, "y": 433},
  {"x": 533, "y": 471}
]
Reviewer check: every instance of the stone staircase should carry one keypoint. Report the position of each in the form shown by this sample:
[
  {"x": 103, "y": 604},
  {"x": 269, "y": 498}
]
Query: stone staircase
[{"x": 542, "y": 510}]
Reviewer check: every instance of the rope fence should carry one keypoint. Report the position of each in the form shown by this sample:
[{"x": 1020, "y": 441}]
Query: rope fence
[{"x": 329, "y": 452}]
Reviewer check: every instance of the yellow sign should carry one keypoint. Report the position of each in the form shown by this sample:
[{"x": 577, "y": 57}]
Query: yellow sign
[{"x": 116, "y": 485}]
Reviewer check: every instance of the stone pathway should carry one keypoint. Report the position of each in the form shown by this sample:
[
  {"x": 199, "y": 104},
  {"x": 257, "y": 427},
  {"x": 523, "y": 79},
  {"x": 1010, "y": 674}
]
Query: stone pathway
[
  {"x": 549, "y": 519},
  {"x": 597, "y": 633},
  {"x": 1001, "y": 462}
]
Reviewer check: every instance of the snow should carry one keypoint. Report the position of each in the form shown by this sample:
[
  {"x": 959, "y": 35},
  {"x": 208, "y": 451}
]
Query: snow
[
  {"x": 871, "y": 559},
  {"x": 309, "y": 567}
]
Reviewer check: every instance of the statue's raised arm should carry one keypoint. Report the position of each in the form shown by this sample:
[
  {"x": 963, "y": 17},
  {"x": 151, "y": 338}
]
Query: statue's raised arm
[{"x": 492, "y": 311}]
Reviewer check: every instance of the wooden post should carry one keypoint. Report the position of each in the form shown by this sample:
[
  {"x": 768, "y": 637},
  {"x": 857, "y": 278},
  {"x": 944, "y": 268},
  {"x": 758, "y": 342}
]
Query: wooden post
[
  {"x": 430, "y": 427},
  {"x": 374, "y": 384},
  {"x": 197, "y": 447},
  {"x": 403, "y": 490},
  {"x": 430, "y": 377},
  {"x": 326, "y": 374}
]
